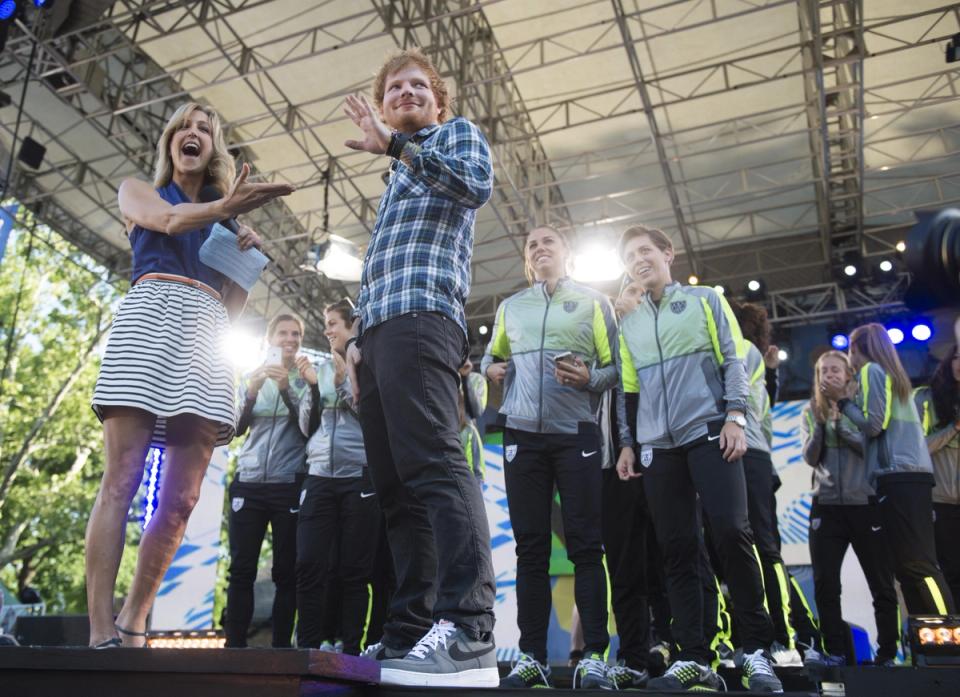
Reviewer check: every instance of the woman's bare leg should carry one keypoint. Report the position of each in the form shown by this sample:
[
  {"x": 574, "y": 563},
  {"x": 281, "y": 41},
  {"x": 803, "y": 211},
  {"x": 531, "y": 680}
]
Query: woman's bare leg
[
  {"x": 126, "y": 437},
  {"x": 190, "y": 442}
]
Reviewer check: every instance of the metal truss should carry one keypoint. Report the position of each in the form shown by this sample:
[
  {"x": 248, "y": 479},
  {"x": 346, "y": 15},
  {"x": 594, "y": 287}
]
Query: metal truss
[
  {"x": 828, "y": 300},
  {"x": 866, "y": 179}
]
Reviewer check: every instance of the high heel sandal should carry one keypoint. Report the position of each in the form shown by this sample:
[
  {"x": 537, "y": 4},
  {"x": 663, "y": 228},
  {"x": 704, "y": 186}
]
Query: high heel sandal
[
  {"x": 111, "y": 643},
  {"x": 129, "y": 633}
]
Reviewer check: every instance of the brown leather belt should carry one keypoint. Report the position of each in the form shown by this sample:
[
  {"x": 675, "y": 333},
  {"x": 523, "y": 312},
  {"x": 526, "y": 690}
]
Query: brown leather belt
[{"x": 173, "y": 278}]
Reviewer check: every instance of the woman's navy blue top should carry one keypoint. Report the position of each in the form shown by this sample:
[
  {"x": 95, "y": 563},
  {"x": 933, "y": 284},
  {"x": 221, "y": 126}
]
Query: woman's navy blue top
[{"x": 156, "y": 252}]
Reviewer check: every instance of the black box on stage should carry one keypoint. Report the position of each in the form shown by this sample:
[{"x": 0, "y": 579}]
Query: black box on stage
[
  {"x": 52, "y": 630},
  {"x": 934, "y": 639}
]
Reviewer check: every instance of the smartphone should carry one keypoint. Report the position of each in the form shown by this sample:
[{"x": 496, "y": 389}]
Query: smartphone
[
  {"x": 274, "y": 356},
  {"x": 566, "y": 357}
]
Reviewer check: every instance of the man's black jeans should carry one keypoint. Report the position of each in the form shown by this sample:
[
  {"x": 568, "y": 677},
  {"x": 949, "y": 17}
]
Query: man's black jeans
[{"x": 436, "y": 521}]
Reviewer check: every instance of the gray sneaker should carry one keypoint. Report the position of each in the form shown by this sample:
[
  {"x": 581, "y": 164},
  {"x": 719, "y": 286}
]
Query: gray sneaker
[
  {"x": 758, "y": 675},
  {"x": 687, "y": 675},
  {"x": 444, "y": 657}
]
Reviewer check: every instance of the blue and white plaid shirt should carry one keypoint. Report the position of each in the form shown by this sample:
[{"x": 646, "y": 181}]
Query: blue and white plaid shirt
[{"x": 419, "y": 255}]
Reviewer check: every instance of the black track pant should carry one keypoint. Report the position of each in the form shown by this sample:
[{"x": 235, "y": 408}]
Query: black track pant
[
  {"x": 832, "y": 530},
  {"x": 758, "y": 471},
  {"x": 533, "y": 464},
  {"x": 946, "y": 531},
  {"x": 672, "y": 482},
  {"x": 626, "y": 527},
  {"x": 339, "y": 520},
  {"x": 906, "y": 513},
  {"x": 252, "y": 508}
]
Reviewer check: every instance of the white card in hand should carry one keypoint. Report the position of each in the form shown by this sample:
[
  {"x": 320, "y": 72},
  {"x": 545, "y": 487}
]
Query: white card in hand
[{"x": 221, "y": 253}]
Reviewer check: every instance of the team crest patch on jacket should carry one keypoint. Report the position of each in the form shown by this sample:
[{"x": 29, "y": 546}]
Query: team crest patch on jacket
[
  {"x": 815, "y": 523},
  {"x": 678, "y": 306},
  {"x": 510, "y": 452},
  {"x": 570, "y": 305},
  {"x": 236, "y": 504}
]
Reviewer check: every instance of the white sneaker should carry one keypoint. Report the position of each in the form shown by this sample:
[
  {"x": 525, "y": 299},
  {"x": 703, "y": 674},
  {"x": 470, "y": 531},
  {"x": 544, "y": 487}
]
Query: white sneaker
[{"x": 784, "y": 657}]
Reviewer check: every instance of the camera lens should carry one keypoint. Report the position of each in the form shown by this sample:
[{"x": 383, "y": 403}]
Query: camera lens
[{"x": 933, "y": 259}]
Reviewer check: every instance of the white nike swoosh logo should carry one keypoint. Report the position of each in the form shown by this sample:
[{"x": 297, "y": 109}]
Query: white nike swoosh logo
[
  {"x": 294, "y": 510},
  {"x": 586, "y": 454},
  {"x": 366, "y": 496},
  {"x": 875, "y": 529},
  {"x": 881, "y": 499},
  {"x": 712, "y": 438}
]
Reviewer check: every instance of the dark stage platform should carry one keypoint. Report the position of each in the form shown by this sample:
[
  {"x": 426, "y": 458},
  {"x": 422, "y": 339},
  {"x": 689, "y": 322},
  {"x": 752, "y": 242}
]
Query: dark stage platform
[{"x": 81, "y": 672}]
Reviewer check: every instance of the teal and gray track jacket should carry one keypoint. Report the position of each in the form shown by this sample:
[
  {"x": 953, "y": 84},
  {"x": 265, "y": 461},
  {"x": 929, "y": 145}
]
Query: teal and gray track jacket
[
  {"x": 683, "y": 357},
  {"x": 531, "y": 328},
  {"x": 835, "y": 451},
  {"x": 759, "y": 421},
  {"x": 944, "y": 446},
  {"x": 894, "y": 442},
  {"x": 335, "y": 448}
]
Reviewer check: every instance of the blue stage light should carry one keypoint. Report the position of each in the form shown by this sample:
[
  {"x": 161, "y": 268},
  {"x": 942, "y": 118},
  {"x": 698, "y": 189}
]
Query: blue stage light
[
  {"x": 921, "y": 331},
  {"x": 42, "y": 3},
  {"x": 7, "y": 9},
  {"x": 895, "y": 334},
  {"x": 840, "y": 341}
]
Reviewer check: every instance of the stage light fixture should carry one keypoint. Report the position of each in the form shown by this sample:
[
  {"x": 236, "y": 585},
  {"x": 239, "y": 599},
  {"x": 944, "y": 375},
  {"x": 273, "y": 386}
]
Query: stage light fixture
[
  {"x": 953, "y": 49},
  {"x": 850, "y": 270},
  {"x": 886, "y": 266},
  {"x": 756, "y": 290},
  {"x": 921, "y": 331},
  {"x": 720, "y": 288},
  {"x": 934, "y": 639},
  {"x": 483, "y": 329},
  {"x": 335, "y": 257},
  {"x": 783, "y": 355},
  {"x": 896, "y": 335},
  {"x": 187, "y": 639},
  {"x": 8, "y": 8},
  {"x": 693, "y": 280},
  {"x": 597, "y": 263},
  {"x": 840, "y": 341},
  {"x": 901, "y": 246}
]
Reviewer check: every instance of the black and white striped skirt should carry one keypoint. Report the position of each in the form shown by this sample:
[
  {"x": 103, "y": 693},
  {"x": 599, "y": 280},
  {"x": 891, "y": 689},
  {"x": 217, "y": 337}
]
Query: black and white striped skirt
[{"x": 165, "y": 355}]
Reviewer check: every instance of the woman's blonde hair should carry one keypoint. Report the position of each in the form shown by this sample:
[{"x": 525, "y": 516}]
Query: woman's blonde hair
[
  {"x": 220, "y": 171},
  {"x": 819, "y": 403},
  {"x": 873, "y": 343},
  {"x": 527, "y": 269}
]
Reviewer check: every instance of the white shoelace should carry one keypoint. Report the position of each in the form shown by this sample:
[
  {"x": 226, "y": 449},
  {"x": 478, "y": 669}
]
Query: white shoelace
[
  {"x": 522, "y": 664},
  {"x": 437, "y": 635},
  {"x": 759, "y": 663},
  {"x": 372, "y": 649},
  {"x": 591, "y": 666}
]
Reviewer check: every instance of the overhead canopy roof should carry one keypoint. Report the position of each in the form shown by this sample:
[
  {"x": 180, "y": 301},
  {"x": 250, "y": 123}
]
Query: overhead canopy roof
[{"x": 766, "y": 137}]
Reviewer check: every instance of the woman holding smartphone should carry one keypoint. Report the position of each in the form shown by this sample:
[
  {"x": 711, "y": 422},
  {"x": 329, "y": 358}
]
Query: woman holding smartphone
[
  {"x": 939, "y": 408},
  {"x": 553, "y": 347},
  {"x": 844, "y": 513},
  {"x": 684, "y": 385},
  {"x": 164, "y": 381},
  {"x": 339, "y": 515},
  {"x": 898, "y": 465},
  {"x": 266, "y": 486}
]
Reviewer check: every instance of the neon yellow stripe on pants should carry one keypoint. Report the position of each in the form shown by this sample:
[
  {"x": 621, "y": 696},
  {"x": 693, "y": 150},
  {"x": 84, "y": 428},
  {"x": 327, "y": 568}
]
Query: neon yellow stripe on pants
[
  {"x": 936, "y": 595},
  {"x": 785, "y": 602}
]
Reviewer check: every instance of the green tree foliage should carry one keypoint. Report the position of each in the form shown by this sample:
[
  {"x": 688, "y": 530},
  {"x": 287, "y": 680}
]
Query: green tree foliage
[{"x": 55, "y": 309}]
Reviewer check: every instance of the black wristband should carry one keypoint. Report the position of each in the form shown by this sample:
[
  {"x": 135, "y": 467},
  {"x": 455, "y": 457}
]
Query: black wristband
[{"x": 397, "y": 141}]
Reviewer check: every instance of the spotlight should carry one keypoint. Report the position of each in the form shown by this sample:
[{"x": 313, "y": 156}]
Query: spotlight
[
  {"x": 934, "y": 639},
  {"x": 720, "y": 288},
  {"x": 921, "y": 331},
  {"x": 901, "y": 246},
  {"x": 693, "y": 280},
  {"x": 840, "y": 341},
  {"x": 886, "y": 266},
  {"x": 895, "y": 334},
  {"x": 335, "y": 257},
  {"x": 8, "y": 8},
  {"x": 597, "y": 263},
  {"x": 756, "y": 290},
  {"x": 850, "y": 270},
  {"x": 953, "y": 49},
  {"x": 783, "y": 355},
  {"x": 483, "y": 329}
]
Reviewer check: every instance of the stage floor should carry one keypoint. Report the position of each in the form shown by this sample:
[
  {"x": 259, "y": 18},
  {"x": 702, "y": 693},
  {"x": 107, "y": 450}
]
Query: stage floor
[{"x": 82, "y": 672}]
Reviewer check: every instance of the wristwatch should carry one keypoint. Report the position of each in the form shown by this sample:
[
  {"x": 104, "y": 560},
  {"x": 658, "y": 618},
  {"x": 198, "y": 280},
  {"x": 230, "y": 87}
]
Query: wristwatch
[{"x": 739, "y": 420}]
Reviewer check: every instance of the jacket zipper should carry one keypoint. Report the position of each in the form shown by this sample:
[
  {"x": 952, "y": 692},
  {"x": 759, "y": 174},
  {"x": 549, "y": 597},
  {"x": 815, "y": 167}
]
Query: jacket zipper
[
  {"x": 543, "y": 340},
  {"x": 663, "y": 374}
]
